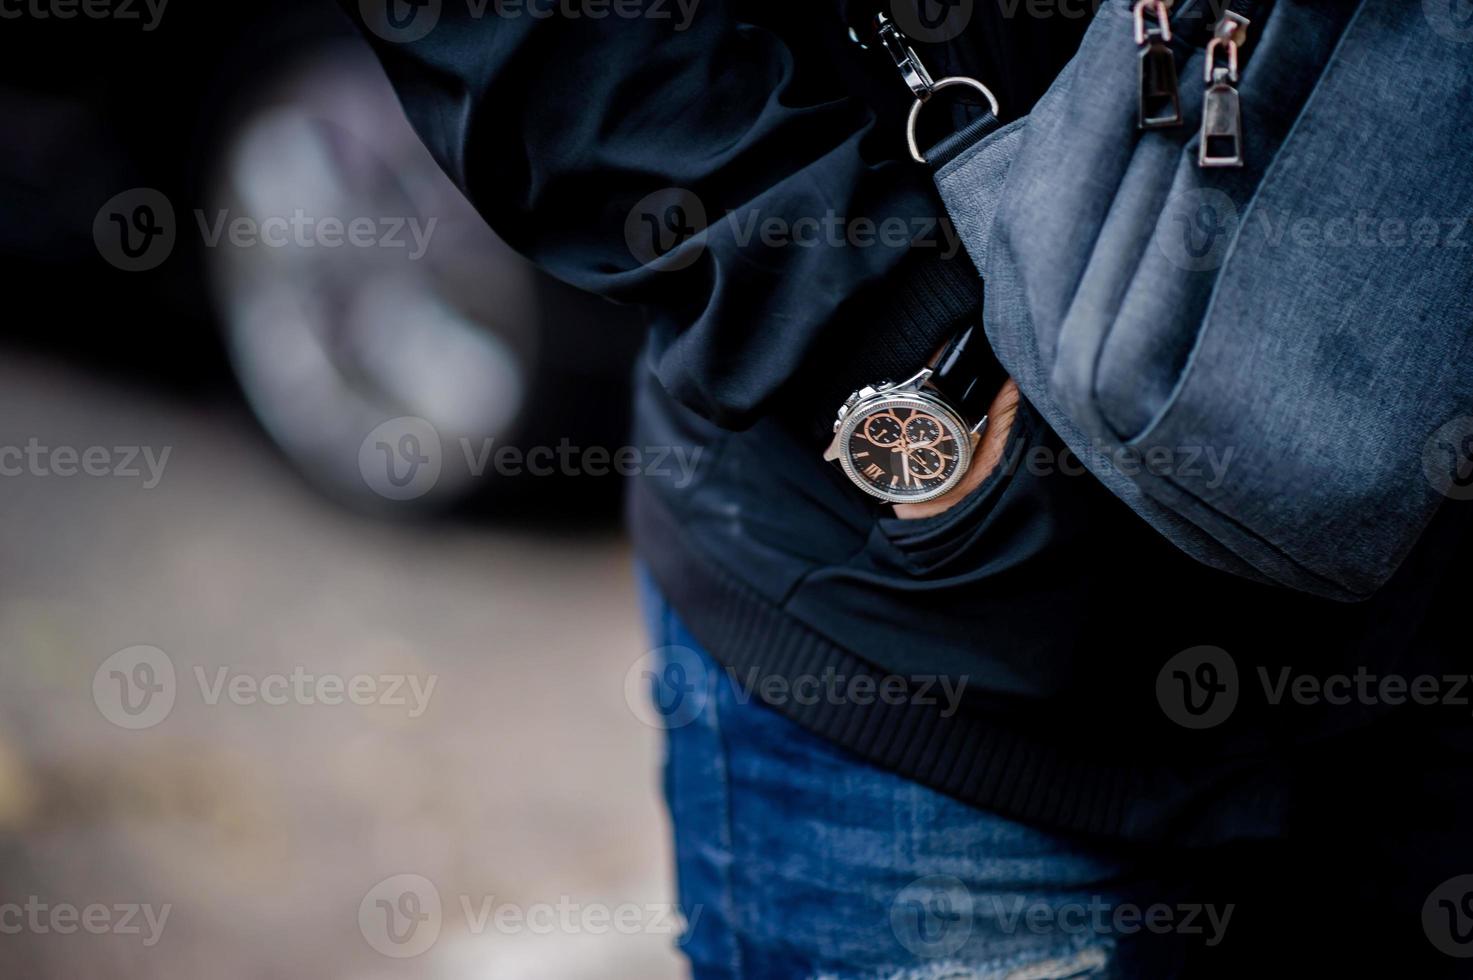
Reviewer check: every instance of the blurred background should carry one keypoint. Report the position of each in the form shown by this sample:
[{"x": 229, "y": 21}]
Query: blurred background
[{"x": 308, "y": 666}]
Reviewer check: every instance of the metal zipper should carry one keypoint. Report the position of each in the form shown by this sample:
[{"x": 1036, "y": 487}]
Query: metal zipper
[
  {"x": 1220, "y": 143},
  {"x": 1159, "y": 105},
  {"x": 1159, "y": 99}
]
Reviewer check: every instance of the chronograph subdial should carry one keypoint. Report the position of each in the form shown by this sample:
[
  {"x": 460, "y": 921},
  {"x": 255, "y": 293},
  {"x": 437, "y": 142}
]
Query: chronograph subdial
[
  {"x": 925, "y": 462},
  {"x": 884, "y": 430},
  {"x": 923, "y": 430}
]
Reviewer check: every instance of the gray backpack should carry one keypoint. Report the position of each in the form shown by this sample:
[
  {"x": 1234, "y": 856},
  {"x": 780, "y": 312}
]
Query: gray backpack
[{"x": 1301, "y": 316}]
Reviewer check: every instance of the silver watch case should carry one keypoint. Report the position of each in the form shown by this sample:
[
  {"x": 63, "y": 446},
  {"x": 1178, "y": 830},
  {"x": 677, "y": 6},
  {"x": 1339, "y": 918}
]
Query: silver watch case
[{"x": 910, "y": 393}]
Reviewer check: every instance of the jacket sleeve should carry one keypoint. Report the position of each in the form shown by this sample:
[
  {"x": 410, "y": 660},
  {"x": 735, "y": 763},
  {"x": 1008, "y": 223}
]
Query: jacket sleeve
[{"x": 708, "y": 160}]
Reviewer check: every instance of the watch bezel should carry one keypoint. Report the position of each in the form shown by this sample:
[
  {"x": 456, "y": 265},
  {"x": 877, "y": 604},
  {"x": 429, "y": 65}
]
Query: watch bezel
[{"x": 921, "y": 399}]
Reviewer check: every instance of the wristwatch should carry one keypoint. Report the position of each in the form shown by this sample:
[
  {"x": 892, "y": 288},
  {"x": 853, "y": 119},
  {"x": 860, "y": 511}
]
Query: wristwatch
[
  {"x": 913, "y": 441},
  {"x": 910, "y": 442}
]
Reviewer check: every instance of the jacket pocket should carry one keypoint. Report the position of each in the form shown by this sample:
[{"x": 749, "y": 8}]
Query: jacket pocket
[{"x": 946, "y": 541}]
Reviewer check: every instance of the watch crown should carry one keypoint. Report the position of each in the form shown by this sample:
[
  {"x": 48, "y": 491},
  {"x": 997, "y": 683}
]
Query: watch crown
[
  {"x": 855, "y": 398},
  {"x": 849, "y": 403}
]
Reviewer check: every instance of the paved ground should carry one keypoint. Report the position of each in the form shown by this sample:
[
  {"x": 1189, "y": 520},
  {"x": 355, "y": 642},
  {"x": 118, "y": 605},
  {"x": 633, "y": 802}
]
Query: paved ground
[{"x": 524, "y": 796}]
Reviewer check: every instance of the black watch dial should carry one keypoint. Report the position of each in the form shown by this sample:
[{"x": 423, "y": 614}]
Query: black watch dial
[{"x": 905, "y": 449}]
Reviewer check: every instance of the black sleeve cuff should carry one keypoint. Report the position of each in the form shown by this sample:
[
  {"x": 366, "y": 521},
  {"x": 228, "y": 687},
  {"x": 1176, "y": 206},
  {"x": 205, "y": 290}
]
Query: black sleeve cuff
[{"x": 886, "y": 333}]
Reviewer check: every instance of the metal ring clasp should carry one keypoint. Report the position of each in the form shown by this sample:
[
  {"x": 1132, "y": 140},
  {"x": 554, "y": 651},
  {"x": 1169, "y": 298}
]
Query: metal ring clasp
[
  {"x": 938, "y": 85},
  {"x": 1163, "y": 19},
  {"x": 919, "y": 80}
]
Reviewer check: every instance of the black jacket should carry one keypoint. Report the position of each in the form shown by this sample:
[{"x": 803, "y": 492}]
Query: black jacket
[{"x": 645, "y": 158}]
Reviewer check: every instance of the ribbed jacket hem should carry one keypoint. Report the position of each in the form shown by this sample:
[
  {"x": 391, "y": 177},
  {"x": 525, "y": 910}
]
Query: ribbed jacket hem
[{"x": 964, "y": 754}]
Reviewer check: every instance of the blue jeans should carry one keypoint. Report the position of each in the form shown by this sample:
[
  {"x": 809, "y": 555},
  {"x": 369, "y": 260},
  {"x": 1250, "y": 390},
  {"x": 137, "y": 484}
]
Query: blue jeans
[{"x": 797, "y": 859}]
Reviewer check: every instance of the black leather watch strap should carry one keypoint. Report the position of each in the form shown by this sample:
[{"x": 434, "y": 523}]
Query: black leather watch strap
[{"x": 968, "y": 374}]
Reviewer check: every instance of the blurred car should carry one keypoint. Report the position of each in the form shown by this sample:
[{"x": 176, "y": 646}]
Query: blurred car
[{"x": 270, "y": 133}]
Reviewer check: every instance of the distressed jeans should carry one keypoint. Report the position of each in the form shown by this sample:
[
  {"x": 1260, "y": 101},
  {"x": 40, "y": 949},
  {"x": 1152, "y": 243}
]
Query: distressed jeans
[{"x": 795, "y": 858}]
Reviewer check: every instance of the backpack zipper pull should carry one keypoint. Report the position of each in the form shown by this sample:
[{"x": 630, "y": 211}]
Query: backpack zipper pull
[
  {"x": 1221, "y": 142},
  {"x": 1160, "y": 96}
]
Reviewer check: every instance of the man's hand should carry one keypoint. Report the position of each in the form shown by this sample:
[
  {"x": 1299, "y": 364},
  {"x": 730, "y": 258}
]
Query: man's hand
[{"x": 985, "y": 456}]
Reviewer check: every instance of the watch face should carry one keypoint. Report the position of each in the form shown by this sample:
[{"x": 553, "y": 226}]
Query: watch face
[{"x": 904, "y": 448}]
